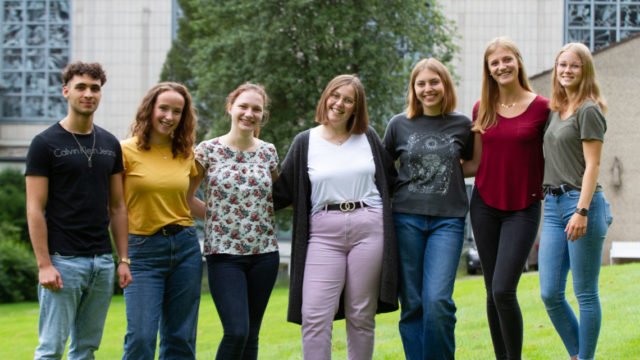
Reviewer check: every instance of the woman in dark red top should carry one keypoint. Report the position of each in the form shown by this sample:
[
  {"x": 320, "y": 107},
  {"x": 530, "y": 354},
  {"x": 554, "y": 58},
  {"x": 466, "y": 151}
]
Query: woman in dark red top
[{"x": 508, "y": 164}]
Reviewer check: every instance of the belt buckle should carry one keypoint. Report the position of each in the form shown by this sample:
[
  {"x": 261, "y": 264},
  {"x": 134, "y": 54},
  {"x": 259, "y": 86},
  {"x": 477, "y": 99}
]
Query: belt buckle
[
  {"x": 347, "y": 206},
  {"x": 164, "y": 231}
]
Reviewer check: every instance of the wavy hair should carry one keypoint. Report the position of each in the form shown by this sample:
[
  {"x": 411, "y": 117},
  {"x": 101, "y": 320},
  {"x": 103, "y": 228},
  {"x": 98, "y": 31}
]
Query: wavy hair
[
  {"x": 231, "y": 98},
  {"x": 490, "y": 92},
  {"x": 449, "y": 98},
  {"x": 94, "y": 70},
  {"x": 358, "y": 123},
  {"x": 183, "y": 136},
  {"x": 588, "y": 89}
]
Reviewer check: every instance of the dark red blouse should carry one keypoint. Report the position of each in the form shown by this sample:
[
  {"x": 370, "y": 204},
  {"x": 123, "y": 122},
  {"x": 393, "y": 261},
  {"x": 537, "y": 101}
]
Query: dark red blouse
[{"x": 511, "y": 168}]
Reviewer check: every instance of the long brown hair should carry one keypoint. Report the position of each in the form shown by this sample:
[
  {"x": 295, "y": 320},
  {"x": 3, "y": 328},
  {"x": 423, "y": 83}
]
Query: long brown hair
[
  {"x": 358, "y": 123},
  {"x": 588, "y": 89},
  {"x": 231, "y": 98},
  {"x": 184, "y": 135},
  {"x": 449, "y": 99},
  {"x": 490, "y": 92}
]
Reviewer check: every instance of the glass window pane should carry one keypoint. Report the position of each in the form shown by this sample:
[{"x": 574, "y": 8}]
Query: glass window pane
[
  {"x": 36, "y": 35},
  {"x": 13, "y": 35},
  {"x": 629, "y": 16},
  {"x": 12, "y": 59},
  {"x": 58, "y": 35},
  {"x": 603, "y": 38},
  {"x": 12, "y": 12},
  {"x": 35, "y": 83},
  {"x": 58, "y": 59},
  {"x": 579, "y": 15},
  {"x": 55, "y": 84},
  {"x": 57, "y": 108},
  {"x": 583, "y": 36},
  {"x": 605, "y": 16},
  {"x": 35, "y": 59},
  {"x": 34, "y": 106},
  {"x": 10, "y": 106},
  {"x": 12, "y": 82},
  {"x": 36, "y": 11},
  {"x": 59, "y": 11}
]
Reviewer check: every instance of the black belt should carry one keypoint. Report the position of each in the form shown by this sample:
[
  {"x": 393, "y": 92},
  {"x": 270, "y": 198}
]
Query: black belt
[
  {"x": 557, "y": 191},
  {"x": 169, "y": 230},
  {"x": 346, "y": 206}
]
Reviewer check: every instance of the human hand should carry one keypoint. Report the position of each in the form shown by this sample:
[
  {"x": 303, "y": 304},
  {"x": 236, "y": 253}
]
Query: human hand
[
  {"x": 576, "y": 227},
  {"x": 50, "y": 278},
  {"x": 124, "y": 275}
]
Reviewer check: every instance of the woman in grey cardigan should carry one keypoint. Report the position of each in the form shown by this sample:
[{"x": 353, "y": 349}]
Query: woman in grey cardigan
[{"x": 344, "y": 256}]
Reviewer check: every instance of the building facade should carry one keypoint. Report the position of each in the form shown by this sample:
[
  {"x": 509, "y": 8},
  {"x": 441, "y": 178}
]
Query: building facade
[{"x": 39, "y": 37}]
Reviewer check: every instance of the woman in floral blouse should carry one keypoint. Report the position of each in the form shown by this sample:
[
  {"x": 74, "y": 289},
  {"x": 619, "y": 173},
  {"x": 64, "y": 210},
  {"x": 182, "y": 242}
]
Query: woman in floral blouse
[{"x": 240, "y": 244}]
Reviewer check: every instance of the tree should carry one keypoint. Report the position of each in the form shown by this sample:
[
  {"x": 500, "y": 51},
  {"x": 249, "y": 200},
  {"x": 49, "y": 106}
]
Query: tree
[
  {"x": 13, "y": 209},
  {"x": 294, "y": 47}
]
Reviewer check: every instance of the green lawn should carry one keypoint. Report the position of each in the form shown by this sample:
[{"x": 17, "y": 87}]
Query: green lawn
[{"x": 619, "y": 339}]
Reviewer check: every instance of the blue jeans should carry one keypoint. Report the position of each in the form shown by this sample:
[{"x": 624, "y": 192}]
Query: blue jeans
[
  {"x": 583, "y": 257},
  {"x": 240, "y": 286},
  {"x": 429, "y": 250},
  {"x": 78, "y": 309},
  {"x": 164, "y": 294}
]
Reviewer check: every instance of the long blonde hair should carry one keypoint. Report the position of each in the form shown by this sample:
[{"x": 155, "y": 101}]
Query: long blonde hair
[
  {"x": 490, "y": 92},
  {"x": 588, "y": 89}
]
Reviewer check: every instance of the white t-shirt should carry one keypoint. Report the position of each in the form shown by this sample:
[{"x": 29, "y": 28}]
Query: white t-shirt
[{"x": 341, "y": 173}]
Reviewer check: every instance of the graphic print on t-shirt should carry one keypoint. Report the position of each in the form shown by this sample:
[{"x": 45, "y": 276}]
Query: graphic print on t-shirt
[{"x": 430, "y": 167}]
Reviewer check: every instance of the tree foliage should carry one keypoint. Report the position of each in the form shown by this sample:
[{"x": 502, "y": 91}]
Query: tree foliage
[
  {"x": 12, "y": 198},
  {"x": 294, "y": 47}
]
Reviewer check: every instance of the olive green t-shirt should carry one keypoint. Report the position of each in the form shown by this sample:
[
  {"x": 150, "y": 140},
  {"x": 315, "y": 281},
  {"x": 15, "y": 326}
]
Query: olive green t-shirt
[{"x": 563, "y": 155}]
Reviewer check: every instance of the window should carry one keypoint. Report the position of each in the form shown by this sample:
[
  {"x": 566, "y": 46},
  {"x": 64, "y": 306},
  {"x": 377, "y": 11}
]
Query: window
[
  {"x": 34, "y": 47},
  {"x": 598, "y": 23}
]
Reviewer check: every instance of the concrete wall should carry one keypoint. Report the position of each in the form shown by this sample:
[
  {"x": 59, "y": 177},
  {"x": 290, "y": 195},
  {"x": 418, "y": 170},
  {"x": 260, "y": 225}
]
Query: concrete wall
[
  {"x": 535, "y": 25},
  {"x": 618, "y": 74},
  {"x": 131, "y": 40}
]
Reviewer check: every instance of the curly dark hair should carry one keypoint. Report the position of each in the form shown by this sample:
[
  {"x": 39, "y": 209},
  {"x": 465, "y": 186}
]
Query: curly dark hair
[
  {"x": 80, "y": 68},
  {"x": 184, "y": 135}
]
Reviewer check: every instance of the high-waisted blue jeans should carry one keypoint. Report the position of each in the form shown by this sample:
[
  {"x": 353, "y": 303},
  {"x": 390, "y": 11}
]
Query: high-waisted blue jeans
[
  {"x": 429, "y": 248},
  {"x": 583, "y": 257}
]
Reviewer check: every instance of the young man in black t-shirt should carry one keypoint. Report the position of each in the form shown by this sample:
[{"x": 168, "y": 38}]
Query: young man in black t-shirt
[{"x": 74, "y": 190}]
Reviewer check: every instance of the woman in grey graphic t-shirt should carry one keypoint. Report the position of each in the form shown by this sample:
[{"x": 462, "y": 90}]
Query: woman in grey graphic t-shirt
[{"x": 429, "y": 208}]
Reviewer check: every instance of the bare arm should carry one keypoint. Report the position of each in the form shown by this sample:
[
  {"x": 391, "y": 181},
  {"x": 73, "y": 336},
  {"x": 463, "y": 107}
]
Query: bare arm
[
  {"x": 196, "y": 205},
  {"x": 577, "y": 225},
  {"x": 119, "y": 226},
  {"x": 470, "y": 167},
  {"x": 37, "y": 190}
]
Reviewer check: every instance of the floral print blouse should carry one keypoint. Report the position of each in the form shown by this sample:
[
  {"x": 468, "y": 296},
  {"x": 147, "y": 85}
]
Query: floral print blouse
[{"x": 238, "y": 198}]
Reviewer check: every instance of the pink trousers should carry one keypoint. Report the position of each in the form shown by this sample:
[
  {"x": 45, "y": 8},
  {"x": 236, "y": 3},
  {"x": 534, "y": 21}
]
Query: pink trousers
[{"x": 344, "y": 253}]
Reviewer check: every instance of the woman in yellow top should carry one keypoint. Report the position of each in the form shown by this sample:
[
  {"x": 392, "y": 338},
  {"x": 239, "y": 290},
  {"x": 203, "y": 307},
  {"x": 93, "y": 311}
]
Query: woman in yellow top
[{"x": 166, "y": 263}]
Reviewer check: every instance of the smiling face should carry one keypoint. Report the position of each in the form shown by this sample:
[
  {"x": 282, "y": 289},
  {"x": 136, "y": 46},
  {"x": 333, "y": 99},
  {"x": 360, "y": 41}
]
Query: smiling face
[
  {"x": 503, "y": 66},
  {"x": 167, "y": 113},
  {"x": 340, "y": 105},
  {"x": 429, "y": 91},
  {"x": 83, "y": 94},
  {"x": 569, "y": 70},
  {"x": 247, "y": 111}
]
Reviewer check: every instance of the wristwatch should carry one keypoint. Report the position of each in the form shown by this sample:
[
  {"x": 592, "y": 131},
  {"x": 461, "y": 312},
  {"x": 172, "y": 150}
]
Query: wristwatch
[
  {"x": 582, "y": 211},
  {"x": 125, "y": 260}
]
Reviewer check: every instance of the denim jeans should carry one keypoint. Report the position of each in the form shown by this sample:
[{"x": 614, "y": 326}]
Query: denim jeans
[
  {"x": 429, "y": 250},
  {"x": 240, "y": 286},
  {"x": 164, "y": 295},
  {"x": 79, "y": 309},
  {"x": 583, "y": 257}
]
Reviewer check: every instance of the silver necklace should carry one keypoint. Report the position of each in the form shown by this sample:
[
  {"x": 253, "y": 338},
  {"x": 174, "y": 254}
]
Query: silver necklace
[{"x": 93, "y": 147}]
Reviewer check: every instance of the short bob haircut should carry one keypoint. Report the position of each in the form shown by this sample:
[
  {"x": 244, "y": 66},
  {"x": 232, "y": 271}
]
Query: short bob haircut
[
  {"x": 183, "y": 136},
  {"x": 490, "y": 92},
  {"x": 359, "y": 121},
  {"x": 80, "y": 68},
  {"x": 449, "y": 99},
  {"x": 259, "y": 89},
  {"x": 588, "y": 89}
]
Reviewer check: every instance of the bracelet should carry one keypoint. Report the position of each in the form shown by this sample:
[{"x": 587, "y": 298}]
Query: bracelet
[
  {"x": 124, "y": 260},
  {"x": 582, "y": 211}
]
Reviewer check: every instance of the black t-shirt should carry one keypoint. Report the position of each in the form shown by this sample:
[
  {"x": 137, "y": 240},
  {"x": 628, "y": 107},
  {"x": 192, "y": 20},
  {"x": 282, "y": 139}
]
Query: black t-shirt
[
  {"x": 77, "y": 205},
  {"x": 429, "y": 148}
]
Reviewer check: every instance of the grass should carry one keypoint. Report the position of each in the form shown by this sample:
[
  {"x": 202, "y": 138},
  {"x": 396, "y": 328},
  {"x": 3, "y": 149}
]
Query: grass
[{"x": 619, "y": 337}]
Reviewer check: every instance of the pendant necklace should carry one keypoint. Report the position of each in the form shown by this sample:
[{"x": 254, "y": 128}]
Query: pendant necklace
[
  {"x": 507, "y": 106},
  {"x": 82, "y": 149}
]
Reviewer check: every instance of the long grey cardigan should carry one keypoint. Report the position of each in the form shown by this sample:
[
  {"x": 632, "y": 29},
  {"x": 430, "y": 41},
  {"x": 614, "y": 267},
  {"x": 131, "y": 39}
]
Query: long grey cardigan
[{"x": 294, "y": 188}]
